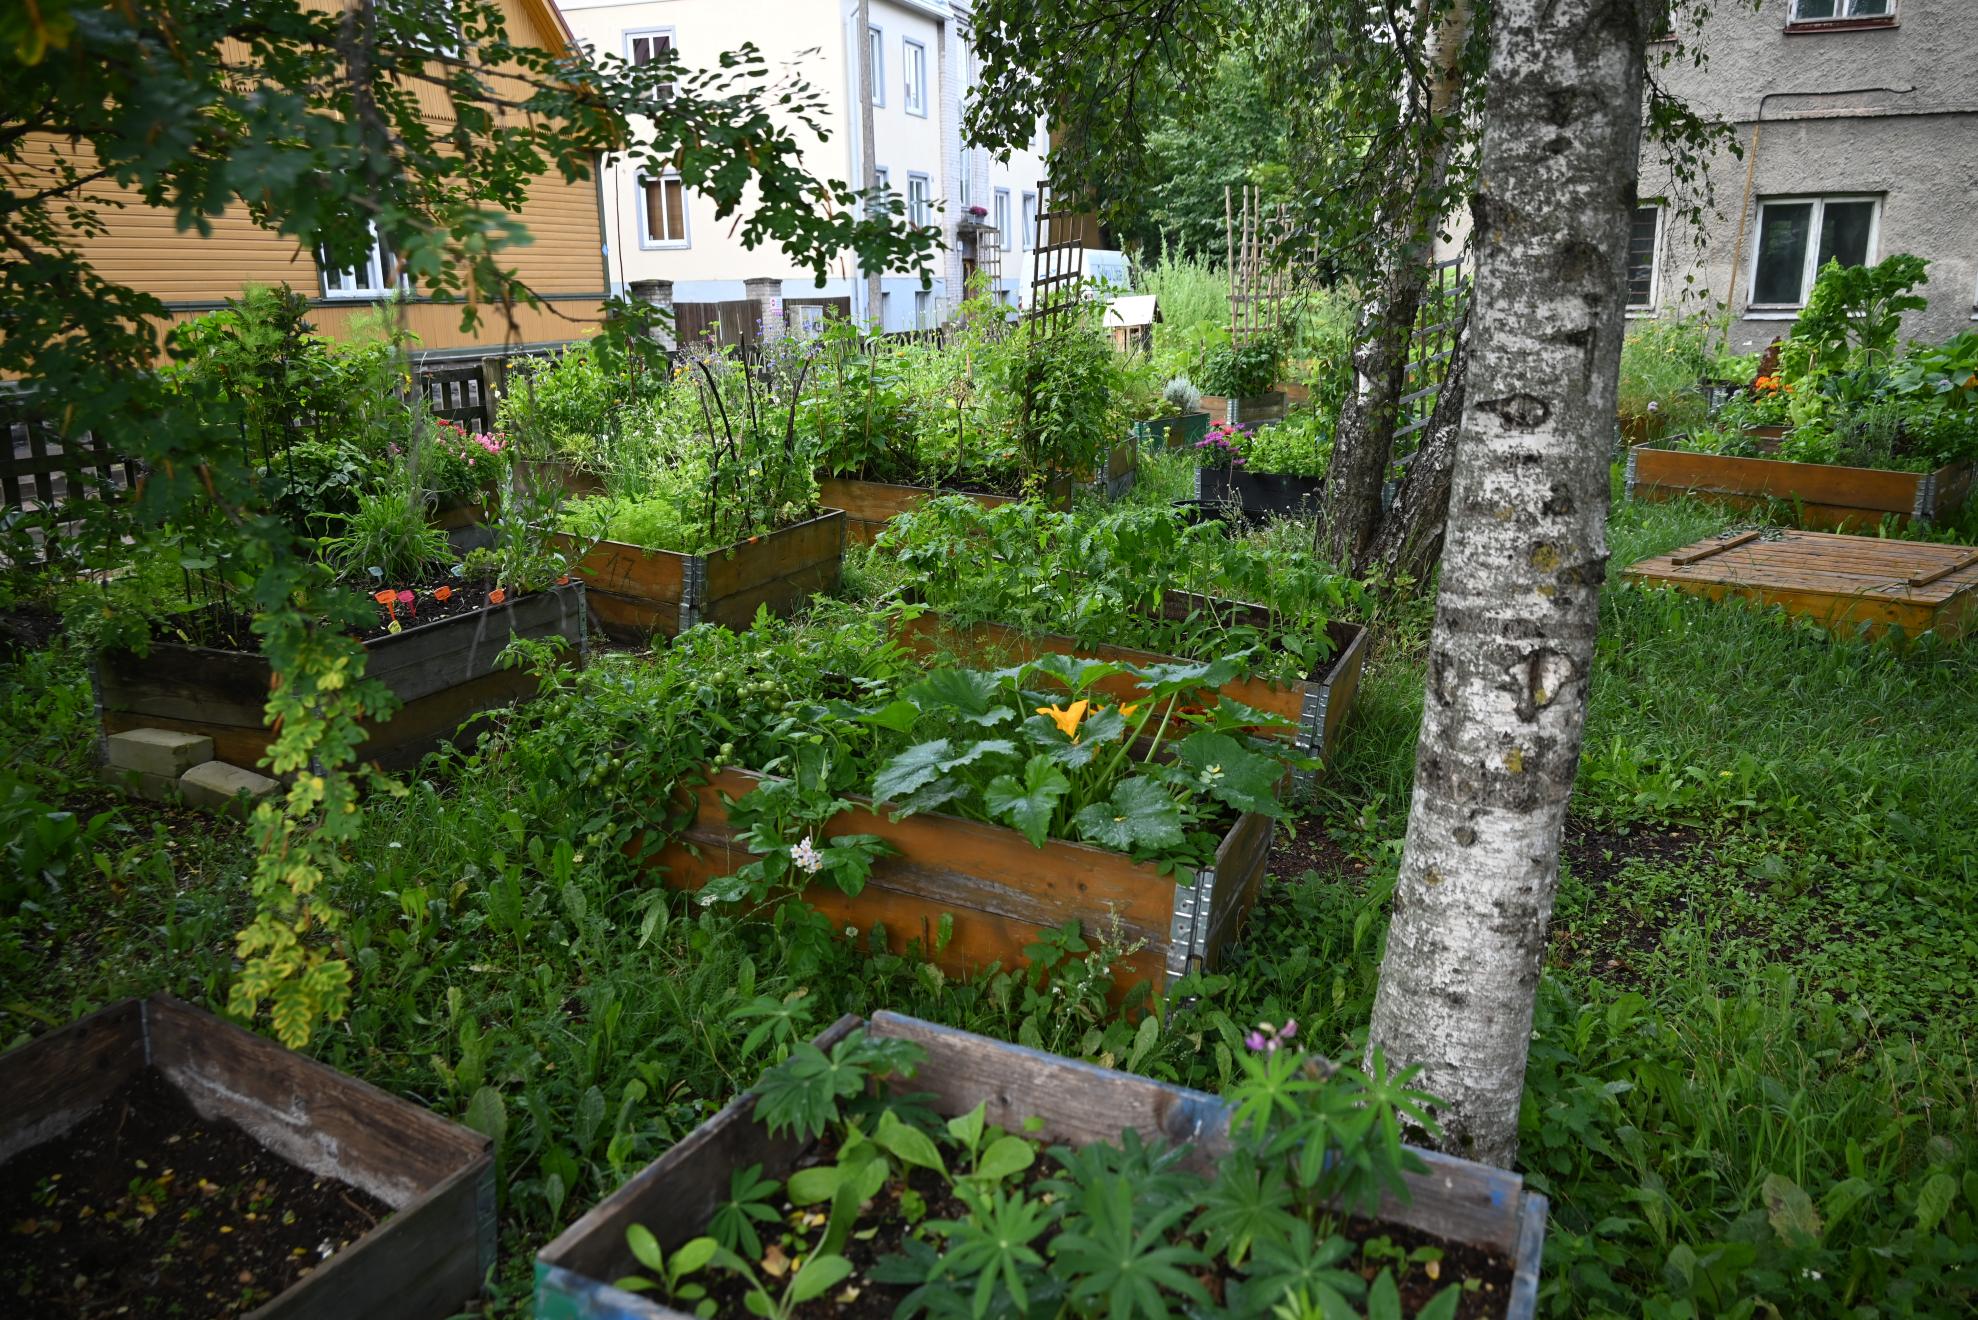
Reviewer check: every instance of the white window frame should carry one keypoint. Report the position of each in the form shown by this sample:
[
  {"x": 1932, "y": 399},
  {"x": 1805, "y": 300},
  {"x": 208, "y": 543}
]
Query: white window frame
[
  {"x": 915, "y": 88},
  {"x": 923, "y": 309},
  {"x": 647, "y": 243},
  {"x": 1654, "y": 257},
  {"x": 920, "y": 199},
  {"x": 672, "y": 36},
  {"x": 1005, "y": 231},
  {"x": 1758, "y": 311},
  {"x": 807, "y": 319},
  {"x": 1845, "y": 14},
  {"x": 875, "y": 37},
  {"x": 1028, "y": 221},
  {"x": 376, "y": 271}
]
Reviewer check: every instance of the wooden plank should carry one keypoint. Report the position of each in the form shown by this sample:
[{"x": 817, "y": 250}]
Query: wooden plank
[
  {"x": 1867, "y": 489},
  {"x": 1698, "y": 556},
  {"x": 870, "y": 505},
  {"x": 1939, "y": 574},
  {"x": 783, "y": 595},
  {"x": 763, "y": 558},
  {"x": 179, "y": 682},
  {"x": 54, "y": 1080}
]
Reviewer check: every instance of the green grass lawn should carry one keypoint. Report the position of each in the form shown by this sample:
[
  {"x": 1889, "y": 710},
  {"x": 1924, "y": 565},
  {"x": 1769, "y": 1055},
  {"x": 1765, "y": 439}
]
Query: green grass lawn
[{"x": 1751, "y": 1093}]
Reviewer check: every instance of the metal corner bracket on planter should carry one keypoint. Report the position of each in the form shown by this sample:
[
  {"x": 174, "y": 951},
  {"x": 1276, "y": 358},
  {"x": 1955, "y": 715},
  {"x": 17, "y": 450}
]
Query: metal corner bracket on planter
[
  {"x": 998, "y": 892},
  {"x": 636, "y": 592},
  {"x": 423, "y": 1262},
  {"x": 442, "y": 673},
  {"x": 1079, "y": 1104}
]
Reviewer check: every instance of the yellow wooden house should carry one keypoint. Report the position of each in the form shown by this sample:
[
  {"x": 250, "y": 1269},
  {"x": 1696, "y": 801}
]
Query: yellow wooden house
[{"x": 564, "y": 263}]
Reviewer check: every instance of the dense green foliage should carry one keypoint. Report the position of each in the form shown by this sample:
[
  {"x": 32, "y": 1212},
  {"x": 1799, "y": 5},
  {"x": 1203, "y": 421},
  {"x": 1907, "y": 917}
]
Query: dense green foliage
[
  {"x": 1846, "y": 394},
  {"x": 1759, "y": 985}
]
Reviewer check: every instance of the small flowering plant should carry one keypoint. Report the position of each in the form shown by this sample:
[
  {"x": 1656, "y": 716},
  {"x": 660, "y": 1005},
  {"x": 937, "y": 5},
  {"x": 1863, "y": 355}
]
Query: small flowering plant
[
  {"x": 464, "y": 462},
  {"x": 1225, "y": 446}
]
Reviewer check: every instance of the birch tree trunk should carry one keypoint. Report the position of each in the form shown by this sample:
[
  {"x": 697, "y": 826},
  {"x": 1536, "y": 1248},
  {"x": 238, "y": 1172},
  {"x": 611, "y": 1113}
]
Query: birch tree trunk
[
  {"x": 1523, "y": 565},
  {"x": 1363, "y": 448}
]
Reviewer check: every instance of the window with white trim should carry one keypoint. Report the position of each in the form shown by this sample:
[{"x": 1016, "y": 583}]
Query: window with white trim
[
  {"x": 808, "y": 319},
  {"x": 648, "y": 46},
  {"x": 1005, "y": 231},
  {"x": 876, "y": 43},
  {"x": 1644, "y": 243},
  {"x": 882, "y": 183},
  {"x": 914, "y": 62},
  {"x": 923, "y": 309},
  {"x": 370, "y": 278},
  {"x": 1841, "y": 11},
  {"x": 662, "y": 211},
  {"x": 920, "y": 199},
  {"x": 1029, "y": 221},
  {"x": 1798, "y": 235}
]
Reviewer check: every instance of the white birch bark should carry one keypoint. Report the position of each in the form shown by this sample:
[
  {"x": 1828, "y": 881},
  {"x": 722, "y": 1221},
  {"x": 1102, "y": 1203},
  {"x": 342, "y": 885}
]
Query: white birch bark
[{"x": 1523, "y": 564}]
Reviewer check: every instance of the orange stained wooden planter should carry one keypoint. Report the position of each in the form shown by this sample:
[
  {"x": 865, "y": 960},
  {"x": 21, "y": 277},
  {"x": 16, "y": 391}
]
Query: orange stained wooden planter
[
  {"x": 999, "y": 892},
  {"x": 1840, "y": 582},
  {"x": 1828, "y": 496},
  {"x": 1318, "y": 704},
  {"x": 423, "y": 1262},
  {"x": 441, "y": 672},
  {"x": 635, "y": 592},
  {"x": 870, "y": 505}
]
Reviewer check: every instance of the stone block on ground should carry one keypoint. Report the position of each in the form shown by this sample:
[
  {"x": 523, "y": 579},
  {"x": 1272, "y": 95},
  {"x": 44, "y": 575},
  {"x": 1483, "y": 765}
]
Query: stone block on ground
[
  {"x": 139, "y": 783},
  {"x": 166, "y": 752},
  {"x": 226, "y": 787}
]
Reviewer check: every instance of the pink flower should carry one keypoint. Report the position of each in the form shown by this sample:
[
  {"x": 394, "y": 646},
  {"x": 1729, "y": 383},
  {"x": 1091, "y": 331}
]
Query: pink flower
[{"x": 1257, "y": 1044}]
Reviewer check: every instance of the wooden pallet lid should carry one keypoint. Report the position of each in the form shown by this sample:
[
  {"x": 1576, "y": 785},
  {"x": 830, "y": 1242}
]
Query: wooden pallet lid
[{"x": 1920, "y": 573}]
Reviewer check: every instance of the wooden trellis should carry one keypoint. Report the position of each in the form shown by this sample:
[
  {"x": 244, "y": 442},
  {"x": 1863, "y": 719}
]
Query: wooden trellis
[
  {"x": 43, "y": 475},
  {"x": 1057, "y": 270},
  {"x": 1259, "y": 277},
  {"x": 1438, "y": 322}
]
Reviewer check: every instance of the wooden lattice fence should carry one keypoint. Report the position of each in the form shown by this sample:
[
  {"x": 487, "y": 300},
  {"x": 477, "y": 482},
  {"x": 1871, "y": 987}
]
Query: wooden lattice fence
[
  {"x": 44, "y": 476},
  {"x": 1438, "y": 322}
]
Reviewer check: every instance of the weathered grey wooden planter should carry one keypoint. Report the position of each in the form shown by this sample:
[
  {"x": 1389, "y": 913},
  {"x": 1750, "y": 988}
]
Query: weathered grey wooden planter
[
  {"x": 442, "y": 673},
  {"x": 1079, "y": 1104},
  {"x": 1250, "y": 408},
  {"x": 423, "y": 1262}
]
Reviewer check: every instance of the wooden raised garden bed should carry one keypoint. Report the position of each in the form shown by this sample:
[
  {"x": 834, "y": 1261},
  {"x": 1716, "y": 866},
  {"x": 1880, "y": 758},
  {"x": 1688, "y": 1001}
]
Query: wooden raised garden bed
[
  {"x": 426, "y": 1259},
  {"x": 1840, "y": 582},
  {"x": 1260, "y": 495},
  {"x": 870, "y": 505},
  {"x": 441, "y": 672},
  {"x": 1078, "y": 1103},
  {"x": 1000, "y": 892},
  {"x": 1318, "y": 705},
  {"x": 635, "y": 592},
  {"x": 1828, "y": 496},
  {"x": 1249, "y": 409},
  {"x": 558, "y": 474},
  {"x": 1174, "y": 432}
]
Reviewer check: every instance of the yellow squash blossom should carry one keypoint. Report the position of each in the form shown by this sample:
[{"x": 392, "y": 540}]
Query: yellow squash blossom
[{"x": 1066, "y": 718}]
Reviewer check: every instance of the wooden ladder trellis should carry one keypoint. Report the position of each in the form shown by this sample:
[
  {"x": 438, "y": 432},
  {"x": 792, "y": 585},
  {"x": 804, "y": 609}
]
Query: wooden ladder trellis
[
  {"x": 1057, "y": 269},
  {"x": 1432, "y": 343},
  {"x": 1259, "y": 279}
]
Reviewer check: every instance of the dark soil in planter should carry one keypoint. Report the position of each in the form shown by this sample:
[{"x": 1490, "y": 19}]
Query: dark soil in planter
[
  {"x": 144, "y": 1208},
  {"x": 966, "y": 483},
  {"x": 876, "y": 1301}
]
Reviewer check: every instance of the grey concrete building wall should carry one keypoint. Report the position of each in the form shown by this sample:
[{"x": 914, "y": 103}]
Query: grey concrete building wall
[{"x": 1888, "y": 111}]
